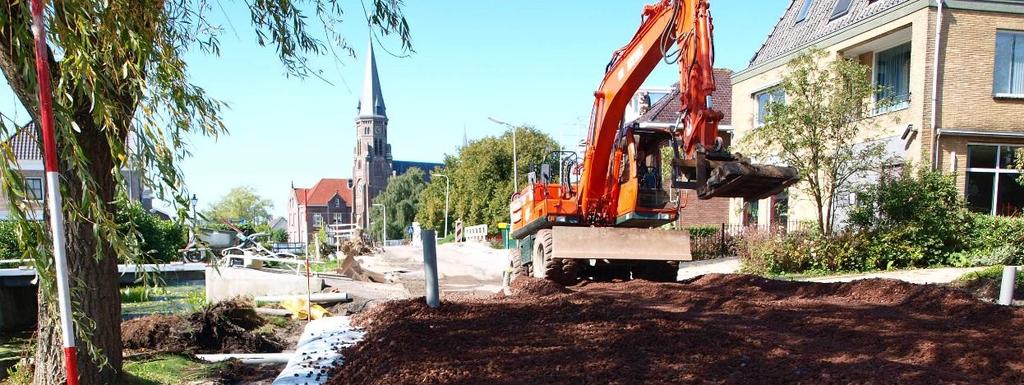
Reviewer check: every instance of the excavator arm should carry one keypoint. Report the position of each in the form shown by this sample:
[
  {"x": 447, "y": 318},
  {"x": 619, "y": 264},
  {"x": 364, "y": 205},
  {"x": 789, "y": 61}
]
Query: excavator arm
[{"x": 686, "y": 26}]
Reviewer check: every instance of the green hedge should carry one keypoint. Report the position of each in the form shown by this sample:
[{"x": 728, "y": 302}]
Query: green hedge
[
  {"x": 159, "y": 239},
  {"x": 913, "y": 221}
]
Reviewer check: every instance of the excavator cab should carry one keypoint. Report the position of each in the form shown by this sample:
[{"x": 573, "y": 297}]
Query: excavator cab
[{"x": 644, "y": 179}]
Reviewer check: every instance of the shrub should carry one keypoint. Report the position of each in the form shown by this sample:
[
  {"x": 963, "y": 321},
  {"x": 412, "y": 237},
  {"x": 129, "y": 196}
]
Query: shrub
[
  {"x": 914, "y": 220},
  {"x": 9, "y": 241},
  {"x": 992, "y": 241},
  {"x": 159, "y": 239}
]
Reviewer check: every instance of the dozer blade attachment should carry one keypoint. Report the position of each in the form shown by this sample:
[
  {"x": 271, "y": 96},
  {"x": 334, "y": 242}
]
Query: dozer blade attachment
[
  {"x": 620, "y": 243},
  {"x": 740, "y": 179}
]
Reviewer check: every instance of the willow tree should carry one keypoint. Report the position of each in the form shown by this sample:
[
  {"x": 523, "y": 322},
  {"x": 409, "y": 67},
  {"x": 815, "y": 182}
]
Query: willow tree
[
  {"x": 824, "y": 128},
  {"x": 118, "y": 69}
]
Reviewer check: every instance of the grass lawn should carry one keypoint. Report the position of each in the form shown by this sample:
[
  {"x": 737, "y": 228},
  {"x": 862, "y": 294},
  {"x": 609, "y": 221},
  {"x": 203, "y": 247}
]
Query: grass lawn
[{"x": 167, "y": 369}]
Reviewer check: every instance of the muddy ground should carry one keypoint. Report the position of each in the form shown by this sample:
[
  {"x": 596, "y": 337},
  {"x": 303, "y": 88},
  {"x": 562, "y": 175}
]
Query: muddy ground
[{"x": 718, "y": 329}]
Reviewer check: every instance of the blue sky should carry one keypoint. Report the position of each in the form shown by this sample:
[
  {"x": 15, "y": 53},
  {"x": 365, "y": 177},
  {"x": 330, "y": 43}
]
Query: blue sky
[{"x": 531, "y": 62}]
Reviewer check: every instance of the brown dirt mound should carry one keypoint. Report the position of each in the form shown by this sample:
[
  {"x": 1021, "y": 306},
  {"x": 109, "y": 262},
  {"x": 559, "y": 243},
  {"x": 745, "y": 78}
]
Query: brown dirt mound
[
  {"x": 530, "y": 286},
  {"x": 225, "y": 327},
  {"x": 722, "y": 329}
]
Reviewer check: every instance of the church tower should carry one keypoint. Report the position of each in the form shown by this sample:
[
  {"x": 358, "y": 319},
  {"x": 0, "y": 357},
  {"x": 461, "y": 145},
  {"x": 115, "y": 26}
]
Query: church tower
[{"x": 371, "y": 166}]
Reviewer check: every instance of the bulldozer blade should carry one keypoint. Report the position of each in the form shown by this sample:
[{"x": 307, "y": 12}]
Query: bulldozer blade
[
  {"x": 620, "y": 243},
  {"x": 739, "y": 179}
]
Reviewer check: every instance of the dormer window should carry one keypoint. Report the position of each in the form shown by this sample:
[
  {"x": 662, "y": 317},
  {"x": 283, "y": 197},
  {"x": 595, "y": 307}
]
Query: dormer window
[{"x": 842, "y": 7}]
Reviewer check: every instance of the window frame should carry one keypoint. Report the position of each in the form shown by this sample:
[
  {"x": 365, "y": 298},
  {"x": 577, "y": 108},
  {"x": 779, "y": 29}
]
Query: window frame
[
  {"x": 899, "y": 106},
  {"x": 1005, "y": 95},
  {"x": 318, "y": 220},
  {"x": 805, "y": 9},
  {"x": 770, "y": 90},
  {"x": 996, "y": 171},
  {"x": 837, "y": 14},
  {"x": 30, "y": 190}
]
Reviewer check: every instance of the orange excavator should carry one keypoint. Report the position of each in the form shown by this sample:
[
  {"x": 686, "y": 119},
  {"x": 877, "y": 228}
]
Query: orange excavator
[{"x": 604, "y": 224}]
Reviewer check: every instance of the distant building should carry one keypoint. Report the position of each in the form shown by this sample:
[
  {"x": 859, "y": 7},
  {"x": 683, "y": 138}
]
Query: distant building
[
  {"x": 958, "y": 111},
  {"x": 25, "y": 144},
  {"x": 310, "y": 209},
  {"x": 664, "y": 112},
  {"x": 372, "y": 161}
]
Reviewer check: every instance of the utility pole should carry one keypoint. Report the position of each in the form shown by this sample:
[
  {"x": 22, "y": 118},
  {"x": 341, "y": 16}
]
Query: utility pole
[{"x": 447, "y": 185}]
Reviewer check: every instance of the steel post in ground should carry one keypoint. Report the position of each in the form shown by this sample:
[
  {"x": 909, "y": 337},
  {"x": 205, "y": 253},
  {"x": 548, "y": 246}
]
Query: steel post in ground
[
  {"x": 430, "y": 268},
  {"x": 1009, "y": 281}
]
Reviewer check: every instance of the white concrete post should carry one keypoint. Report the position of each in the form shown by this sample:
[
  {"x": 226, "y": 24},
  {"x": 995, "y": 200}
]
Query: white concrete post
[{"x": 1009, "y": 281}]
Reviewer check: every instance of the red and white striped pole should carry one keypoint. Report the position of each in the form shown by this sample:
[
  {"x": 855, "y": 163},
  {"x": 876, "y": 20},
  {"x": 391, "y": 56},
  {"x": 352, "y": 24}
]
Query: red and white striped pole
[{"x": 53, "y": 201}]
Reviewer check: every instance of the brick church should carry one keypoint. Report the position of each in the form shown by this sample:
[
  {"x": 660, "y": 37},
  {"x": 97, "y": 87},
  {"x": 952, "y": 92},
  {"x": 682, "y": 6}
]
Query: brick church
[{"x": 372, "y": 165}]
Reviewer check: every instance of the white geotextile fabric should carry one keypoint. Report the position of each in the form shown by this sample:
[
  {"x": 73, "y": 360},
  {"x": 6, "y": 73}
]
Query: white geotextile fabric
[{"x": 319, "y": 350}]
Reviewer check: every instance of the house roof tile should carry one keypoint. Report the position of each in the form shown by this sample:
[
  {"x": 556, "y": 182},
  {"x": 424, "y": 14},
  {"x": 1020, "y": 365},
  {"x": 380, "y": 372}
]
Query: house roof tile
[
  {"x": 666, "y": 109},
  {"x": 324, "y": 190},
  {"x": 789, "y": 35}
]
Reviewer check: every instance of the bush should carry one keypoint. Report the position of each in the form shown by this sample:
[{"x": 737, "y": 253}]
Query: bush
[
  {"x": 9, "y": 241},
  {"x": 159, "y": 240},
  {"x": 915, "y": 220},
  {"x": 992, "y": 241},
  {"x": 775, "y": 252}
]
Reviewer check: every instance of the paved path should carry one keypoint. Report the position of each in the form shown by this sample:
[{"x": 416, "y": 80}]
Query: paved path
[{"x": 919, "y": 276}]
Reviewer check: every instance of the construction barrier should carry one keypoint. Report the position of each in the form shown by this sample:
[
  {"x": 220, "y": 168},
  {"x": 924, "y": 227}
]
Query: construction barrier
[{"x": 476, "y": 233}]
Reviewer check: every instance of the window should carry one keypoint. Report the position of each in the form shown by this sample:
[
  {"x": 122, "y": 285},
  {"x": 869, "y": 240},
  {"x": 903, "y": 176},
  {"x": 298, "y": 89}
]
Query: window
[
  {"x": 764, "y": 99},
  {"x": 992, "y": 181},
  {"x": 35, "y": 188},
  {"x": 804, "y": 9},
  {"x": 892, "y": 75},
  {"x": 318, "y": 220},
  {"x": 336, "y": 218},
  {"x": 780, "y": 209},
  {"x": 842, "y": 7},
  {"x": 750, "y": 208},
  {"x": 1008, "y": 80}
]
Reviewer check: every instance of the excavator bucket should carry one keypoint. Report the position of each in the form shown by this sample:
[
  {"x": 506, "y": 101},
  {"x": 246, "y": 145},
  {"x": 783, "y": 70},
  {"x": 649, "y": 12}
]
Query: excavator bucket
[
  {"x": 721, "y": 174},
  {"x": 740, "y": 179}
]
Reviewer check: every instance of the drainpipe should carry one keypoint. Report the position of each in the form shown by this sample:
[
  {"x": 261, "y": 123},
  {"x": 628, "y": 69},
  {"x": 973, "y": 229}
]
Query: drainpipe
[{"x": 935, "y": 88}]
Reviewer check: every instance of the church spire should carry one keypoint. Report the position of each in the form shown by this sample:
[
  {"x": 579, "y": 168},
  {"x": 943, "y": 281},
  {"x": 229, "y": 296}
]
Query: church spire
[{"x": 371, "y": 102}]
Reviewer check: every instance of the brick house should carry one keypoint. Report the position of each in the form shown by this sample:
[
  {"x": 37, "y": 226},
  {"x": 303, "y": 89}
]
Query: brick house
[
  {"x": 309, "y": 209},
  {"x": 664, "y": 112},
  {"x": 975, "y": 83},
  {"x": 25, "y": 144}
]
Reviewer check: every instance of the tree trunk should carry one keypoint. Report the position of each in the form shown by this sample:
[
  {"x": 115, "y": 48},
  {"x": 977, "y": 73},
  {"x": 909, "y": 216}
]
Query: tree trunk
[
  {"x": 94, "y": 284},
  {"x": 93, "y": 281}
]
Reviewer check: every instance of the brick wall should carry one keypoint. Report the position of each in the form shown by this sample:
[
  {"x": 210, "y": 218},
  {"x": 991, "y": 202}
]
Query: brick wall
[
  {"x": 703, "y": 212},
  {"x": 967, "y": 72}
]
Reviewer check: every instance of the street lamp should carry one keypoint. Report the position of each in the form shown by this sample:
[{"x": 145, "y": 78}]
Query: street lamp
[
  {"x": 515, "y": 157},
  {"x": 384, "y": 227},
  {"x": 194, "y": 201},
  {"x": 446, "y": 186}
]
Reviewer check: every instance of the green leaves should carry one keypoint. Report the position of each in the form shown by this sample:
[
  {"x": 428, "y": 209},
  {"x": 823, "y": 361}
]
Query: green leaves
[
  {"x": 402, "y": 201},
  {"x": 823, "y": 128},
  {"x": 481, "y": 179},
  {"x": 241, "y": 204}
]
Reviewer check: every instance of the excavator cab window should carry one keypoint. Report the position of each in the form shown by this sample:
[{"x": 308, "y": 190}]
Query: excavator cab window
[{"x": 651, "y": 175}]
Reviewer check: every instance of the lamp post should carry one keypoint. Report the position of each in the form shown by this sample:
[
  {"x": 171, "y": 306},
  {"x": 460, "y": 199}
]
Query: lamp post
[
  {"x": 447, "y": 184},
  {"x": 384, "y": 225},
  {"x": 515, "y": 157},
  {"x": 194, "y": 201}
]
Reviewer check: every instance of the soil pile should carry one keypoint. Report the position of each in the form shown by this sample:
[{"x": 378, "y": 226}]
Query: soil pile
[
  {"x": 724, "y": 329},
  {"x": 225, "y": 327}
]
